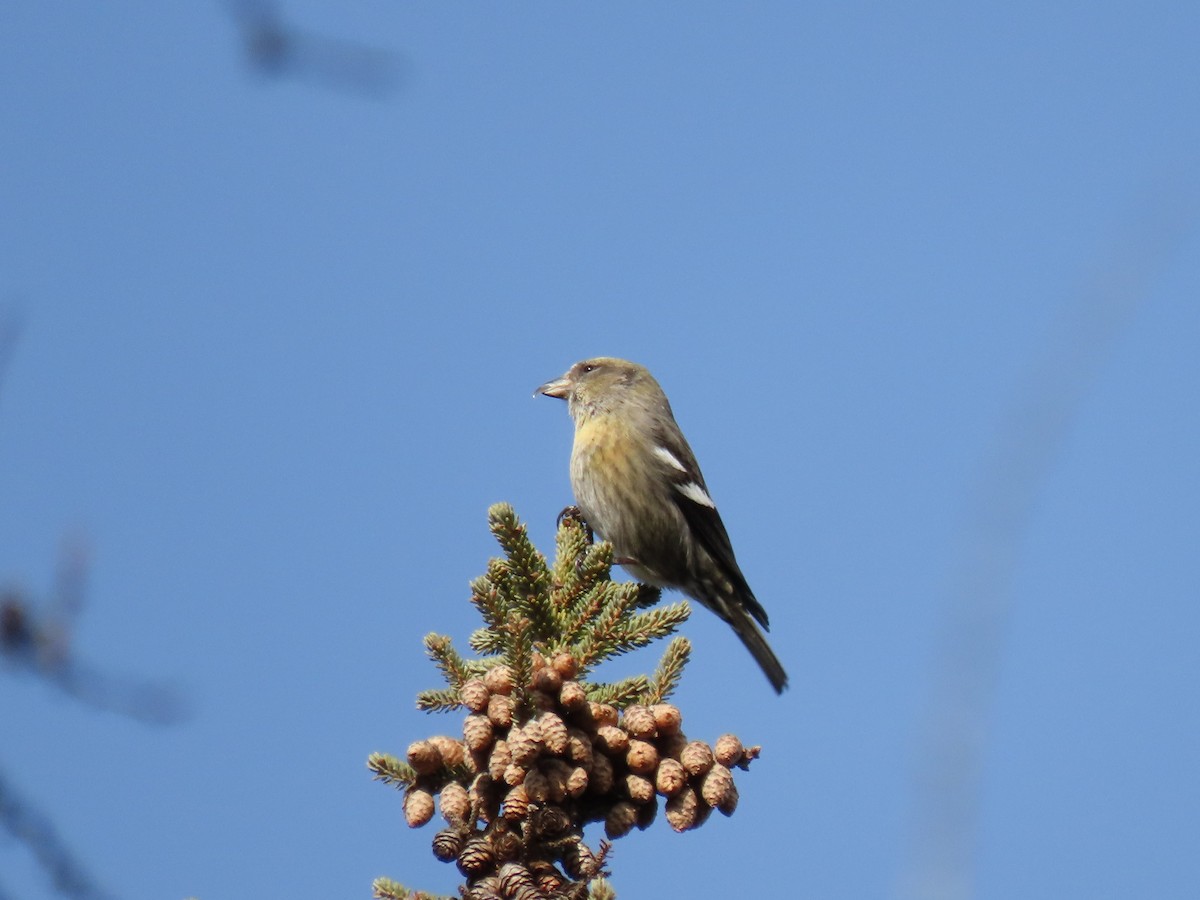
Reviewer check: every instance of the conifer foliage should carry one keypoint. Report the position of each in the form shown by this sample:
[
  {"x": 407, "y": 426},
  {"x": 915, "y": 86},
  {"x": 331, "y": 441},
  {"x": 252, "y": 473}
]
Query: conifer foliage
[{"x": 544, "y": 749}]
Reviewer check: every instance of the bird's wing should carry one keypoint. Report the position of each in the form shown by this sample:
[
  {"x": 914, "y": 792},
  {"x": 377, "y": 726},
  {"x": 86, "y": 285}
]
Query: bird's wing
[{"x": 690, "y": 495}]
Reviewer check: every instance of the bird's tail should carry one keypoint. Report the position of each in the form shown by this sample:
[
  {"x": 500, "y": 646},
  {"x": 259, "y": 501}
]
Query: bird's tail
[{"x": 751, "y": 635}]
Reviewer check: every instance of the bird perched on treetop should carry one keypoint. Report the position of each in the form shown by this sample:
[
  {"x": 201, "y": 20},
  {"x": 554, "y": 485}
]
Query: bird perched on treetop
[{"x": 638, "y": 486}]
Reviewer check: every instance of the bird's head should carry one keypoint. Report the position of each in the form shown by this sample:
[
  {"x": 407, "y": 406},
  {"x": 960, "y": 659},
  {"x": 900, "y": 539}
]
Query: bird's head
[{"x": 603, "y": 384}]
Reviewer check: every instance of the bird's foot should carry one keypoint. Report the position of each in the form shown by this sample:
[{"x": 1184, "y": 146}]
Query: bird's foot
[{"x": 575, "y": 514}]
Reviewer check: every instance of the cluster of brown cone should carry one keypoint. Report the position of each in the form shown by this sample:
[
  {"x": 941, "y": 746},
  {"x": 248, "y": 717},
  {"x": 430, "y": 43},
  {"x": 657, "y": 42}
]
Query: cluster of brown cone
[{"x": 516, "y": 794}]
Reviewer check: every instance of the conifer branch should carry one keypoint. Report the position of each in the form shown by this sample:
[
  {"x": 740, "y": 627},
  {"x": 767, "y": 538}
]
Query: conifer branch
[
  {"x": 390, "y": 770},
  {"x": 670, "y": 668},
  {"x": 620, "y": 693},
  {"x": 543, "y": 752}
]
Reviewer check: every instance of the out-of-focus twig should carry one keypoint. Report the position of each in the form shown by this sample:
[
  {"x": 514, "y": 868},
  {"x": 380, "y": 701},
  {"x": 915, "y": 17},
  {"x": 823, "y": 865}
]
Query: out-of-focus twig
[
  {"x": 41, "y": 646},
  {"x": 277, "y": 49},
  {"x": 1027, "y": 444},
  {"x": 33, "y": 829},
  {"x": 10, "y": 331}
]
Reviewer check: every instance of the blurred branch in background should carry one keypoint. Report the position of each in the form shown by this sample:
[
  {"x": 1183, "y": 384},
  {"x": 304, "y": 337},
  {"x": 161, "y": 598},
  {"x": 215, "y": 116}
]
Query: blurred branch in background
[
  {"x": 276, "y": 50},
  {"x": 40, "y": 644},
  {"x": 968, "y": 653},
  {"x": 10, "y": 330},
  {"x": 36, "y": 831}
]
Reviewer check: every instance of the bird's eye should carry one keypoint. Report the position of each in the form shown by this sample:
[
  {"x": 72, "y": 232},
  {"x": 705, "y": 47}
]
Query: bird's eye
[{"x": 588, "y": 368}]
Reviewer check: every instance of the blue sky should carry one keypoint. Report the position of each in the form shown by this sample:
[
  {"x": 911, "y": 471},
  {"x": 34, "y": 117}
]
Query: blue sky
[{"x": 277, "y": 344}]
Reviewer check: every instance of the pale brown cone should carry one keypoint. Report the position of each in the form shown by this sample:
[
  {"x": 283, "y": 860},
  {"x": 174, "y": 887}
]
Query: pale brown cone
[
  {"x": 579, "y": 747},
  {"x": 565, "y": 665},
  {"x": 728, "y": 750},
  {"x": 455, "y": 803},
  {"x": 670, "y": 777},
  {"x": 477, "y": 733},
  {"x": 715, "y": 785},
  {"x": 667, "y": 718},
  {"x": 682, "y": 809},
  {"x": 499, "y": 680},
  {"x": 639, "y": 722},
  {"x": 730, "y": 801},
  {"x": 547, "y": 681},
  {"x": 499, "y": 760},
  {"x": 424, "y": 757},
  {"x": 516, "y": 803},
  {"x": 554, "y": 733},
  {"x": 603, "y": 713},
  {"x": 642, "y": 757},
  {"x": 697, "y": 758},
  {"x": 514, "y": 774},
  {"x": 639, "y": 788},
  {"x": 523, "y": 746},
  {"x": 453, "y": 752},
  {"x": 500, "y": 710},
  {"x": 612, "y": 740},
  {"x": 418, "y": 806},
  {"x": 474, "y": 695},
  {"x": 577, "y": 782},
  {"x": 572, "y": 696}
]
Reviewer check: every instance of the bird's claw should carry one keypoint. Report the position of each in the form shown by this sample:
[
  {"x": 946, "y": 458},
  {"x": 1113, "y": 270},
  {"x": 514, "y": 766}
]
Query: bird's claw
[{"x": 575, "y": 514}]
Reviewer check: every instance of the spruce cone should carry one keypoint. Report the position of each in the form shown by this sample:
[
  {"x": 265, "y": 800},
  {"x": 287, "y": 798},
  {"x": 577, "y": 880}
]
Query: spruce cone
[
  {"x": 579, "y": 747},
  {"x": 579, "y": 861},
  {"x": 670, "y": 777},
  {"x": 476, "y": 857},
  {"x": 716, "y": 785},
  {"x": 447, "y": 844},
  {"x": 667, "y": 718},
  {"x": 572, "y": 697},
  {"x": 554, "y": 733},
  {"x": 728, "y": 750},
  {"x": 612, "y": 740},
  {"x": 477, "y": 733},
  {"x": 639, "y": 789},
  {"x": 639, "y": 722},
  {"x": 513, "y": 877},
  {"x": 499, "y": 680},
  {"x": 474, "y": 695},
  {"x": 523, "y": 745},
  {"x": 500, "y": 710},
  {"x": 620, "y": 819},
  {"x": 603, "y": 713},
  {"x": 516, "y": 803},
  {"x": 455, "y": 803},
  {"x": 452, "y": 751},
  {"x": 565, "y": 665},
  {"x": 682, "y": 809},
  {"x": 424, "y": 757},
  {"x": 500, "y": 760},
  {"x": 641, "y": 757},
  {"x": 418, "y": 806},
  {"x": 697, "y": 758}
]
